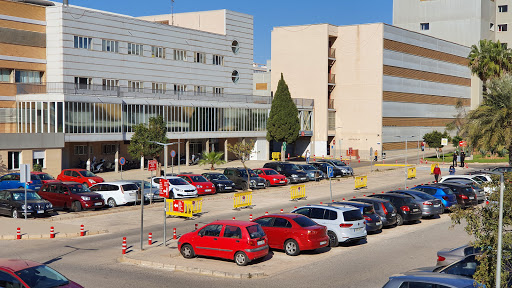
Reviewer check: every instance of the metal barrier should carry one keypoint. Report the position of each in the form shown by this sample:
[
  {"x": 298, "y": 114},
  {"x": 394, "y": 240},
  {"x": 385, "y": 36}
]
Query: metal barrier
[
  {"x": 298, "y": 192},
  {"x": 360, "y": 182},
  {"x": 242, "y": 200},
  {"x": 184, "y": 207},
  {"x": 411, "y": 173},
  {"x": 276, "y": 156}
]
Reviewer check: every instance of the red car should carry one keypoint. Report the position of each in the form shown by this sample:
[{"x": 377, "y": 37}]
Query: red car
[
  {"x": 202, "y": 184},
  {"x": 272, "y": 178},
  {"x": 26, "y": 273},
  {"x": 71, "y": 195},
  {"x": 293, "y": 233},
  {"x": 241, "y": 241},
  {"x": 45, "y": 177},
  {"x": 79, "y": 175}
]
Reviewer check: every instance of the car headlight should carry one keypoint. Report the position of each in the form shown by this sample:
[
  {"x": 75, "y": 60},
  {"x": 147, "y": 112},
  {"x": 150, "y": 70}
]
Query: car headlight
[
  {"x": 86, "y": 198},
  {"x": 199, "y": 186},
  {"x": 28, "y": 207},
  {"x": 49, "y": 205},
  {"x": 294, "y": 175},
  {"x": 92, "y": 181},
  {"x": 253, "y": 181},
  {"x": 22, "y": 207}
]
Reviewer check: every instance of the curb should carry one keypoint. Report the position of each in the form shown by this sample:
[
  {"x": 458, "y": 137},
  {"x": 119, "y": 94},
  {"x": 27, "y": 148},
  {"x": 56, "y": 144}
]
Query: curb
[
  {"x": 47, "y": 236},
  {"x": 172, "y": 267},
  {"x": 95, "y": 213}
]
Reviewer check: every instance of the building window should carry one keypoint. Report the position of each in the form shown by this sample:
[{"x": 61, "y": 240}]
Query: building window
[
  {"x": 502, "y": 27},
  {"x": 83, "y": 42},
  {"x": 157, "y": 87},
  {"x": 218, "y": 60},
  {"x": 424, "y": 26},
  {"x": 332, "y": 121},
  {"x": 38, "y": 158},
  {"x": 218, "y": 90},
  {"x": 180, "y": 88},
  {"x": 21, "y": 76},
  {"x": 491, "y": 26},
  {"x": 81, "y": 149},
  {"x": 135, "y": 49},
  {"x": 109, "y": 148},
  {"x": 5, "y": 75},
  {"x": 199, "y": 57},
  {"x": 110, "y": 84},
  {"x": 110, "y": 46},
  {"x": 199, "y": 89},
  {"x": 235, "y": 46},
  {"x": 235, "y": 76},
  {"x": 83, "y": 83},
  {"x": 13, "y": 160},
  {"x": 180, "y": 55},
  {"x": 158, "y": 52},
  {"x": 503, "y": 8},
  {"x": 135, "y": 86}
]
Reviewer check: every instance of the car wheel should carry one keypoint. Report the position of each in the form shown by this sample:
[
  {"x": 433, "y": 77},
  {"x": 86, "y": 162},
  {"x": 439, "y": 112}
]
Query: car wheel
[
  {"x": 187, "y": 251},
  {"x": 399, "y": 220},
  {"x": 241, "y": 259},
  {"x": 289, "y": 180},
  {"x": 111, "y": 202},
  {"x": 291, "y": 247},
  {"x": 333, "y": 239},
  {"x": 14, "y": 213},
  {"x": 76, "y": 206},
  {"x": 267, "y": 183},
  {"x": 244, "y": 186}
]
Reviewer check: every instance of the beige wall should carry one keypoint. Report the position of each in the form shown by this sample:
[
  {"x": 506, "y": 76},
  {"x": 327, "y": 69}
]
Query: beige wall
[
  {"x": 53, "y": 159},
  {"x": 209, "y": 21}
]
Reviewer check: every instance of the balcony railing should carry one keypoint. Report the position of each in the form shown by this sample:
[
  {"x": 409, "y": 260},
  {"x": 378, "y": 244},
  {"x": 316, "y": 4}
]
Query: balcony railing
[
  {"x": 332, "y": 52},
  {"x": 332, "y": 78},
  {"x": 330, "y": 105}
]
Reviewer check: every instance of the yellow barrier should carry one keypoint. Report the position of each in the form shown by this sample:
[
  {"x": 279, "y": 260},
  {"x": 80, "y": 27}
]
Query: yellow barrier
[
  {"x": 183, "y": 207},
  {"x": 360, "y": 182},
  {"x": 298, "y": 192},
  {"x": 411, "y": 173},
  {"x": 242, "y": 200},
  {"x": 432, "y": 166},
  {"x": 276, "y": 156}
]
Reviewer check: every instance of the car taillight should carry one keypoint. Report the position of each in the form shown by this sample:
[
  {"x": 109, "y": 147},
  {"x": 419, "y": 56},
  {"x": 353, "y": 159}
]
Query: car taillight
[
  {"x": 462, "y": 196},
  {"x": 311, "y": 232},
  {"x": 428, "y": 203},
  {"x": 440, "y": 258},
  {"x": 345, "y": 225},
  {"x": 367, "y": 218},
  {"x": 252, "y": 242},
  {"x": 384, "y": 208},
  {"x": 405, "y": 208},
  {"x": 445, "y": 198}
]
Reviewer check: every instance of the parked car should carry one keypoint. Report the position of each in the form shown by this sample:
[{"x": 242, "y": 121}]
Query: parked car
[
  {"x": 30, "y": 274},
  {"x": 150, "y": 193},
  {"x": 79, "y": 175},
  {"x": 293, "y": 233},
  {"x": 314, "y": 174},
  {"x": 293, "y": 173},
  {"x": 241, "y": 241},
  {"x": 272, "y": 178},
  {"x": 430, "y": 205},
  {"x": 446, "y": 257},
  {"x": 407, "y": 209},
  {"x": 178, "y": 188},
  {"x": 204, "y": 187},
  {"x": 422, "y": 280},
  {"x": 12, "y": 181},
  {"x": 441, "y": 192},
  {"x": 117, "y": 192},
  {"x": 71, "y": 195},
  {"x": 239, "y": 177},
  {"x": 221, "y": 182},
  {"x": 372, "y": 219},
  {"x": 466, "y": 197},
  {"x": 346, "y": 169},
  {"x": 322, "y": 166},
  {"x": 476, "y": 179},
  {"x": 12, "y": 203},
  {"x": 383, "y": 208},
  {"x": 505, "y": 169},
  {"x": 479, "y": 191},
  {"x": 345, "y": 224},
  {"x": 44, "y": 177},
  {"x": 463, "y": 267}
]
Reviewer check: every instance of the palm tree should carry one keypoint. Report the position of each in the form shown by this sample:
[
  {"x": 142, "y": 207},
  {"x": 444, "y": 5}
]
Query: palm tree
[
  {"x": 489, "y": 60},
  {"x": 213, "y": 158},
  {"x": 490, "y": 125}
]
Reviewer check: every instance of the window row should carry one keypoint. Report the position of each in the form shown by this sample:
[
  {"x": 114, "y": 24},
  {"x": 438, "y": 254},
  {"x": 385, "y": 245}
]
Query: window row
[
  {"x": 14, "y": 159},
  {"x": 21, "y": 76}
]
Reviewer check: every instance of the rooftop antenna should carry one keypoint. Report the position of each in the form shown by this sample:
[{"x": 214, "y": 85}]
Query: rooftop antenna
[{"x": 172, "y": 12}]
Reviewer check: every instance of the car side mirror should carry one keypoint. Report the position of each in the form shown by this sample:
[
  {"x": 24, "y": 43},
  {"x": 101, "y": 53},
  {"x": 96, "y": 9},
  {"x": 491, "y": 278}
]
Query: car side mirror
[{"x": 66, "y": 192}]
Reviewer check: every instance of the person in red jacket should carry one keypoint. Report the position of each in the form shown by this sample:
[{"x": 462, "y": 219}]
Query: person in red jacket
[{"x": 437, "y": 172}]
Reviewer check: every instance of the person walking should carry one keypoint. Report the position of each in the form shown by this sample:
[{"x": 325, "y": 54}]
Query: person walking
[
  {"x": 437, "y": 172},
  {"x": 462, "y": 156},
  {"x": 376, "y": 155},
  {"x": 452, "y": 170},
  {"x": 307, "y": 156},
  {"x": 454, "y": 162}
]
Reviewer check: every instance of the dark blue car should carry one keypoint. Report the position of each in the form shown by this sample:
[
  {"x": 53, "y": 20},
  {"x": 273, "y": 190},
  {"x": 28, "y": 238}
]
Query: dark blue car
[
  {"x": 441, "y": 192},
  {"x": 12, "y": 181},
  {"x": 373, "y": 221}
]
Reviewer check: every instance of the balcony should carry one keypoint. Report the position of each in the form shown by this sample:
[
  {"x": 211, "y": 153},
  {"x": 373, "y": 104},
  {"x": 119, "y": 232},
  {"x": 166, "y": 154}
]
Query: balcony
[
  {"x": 332, "y": 79},
  {"x": 330, "y": 104},
  {"x": 332, "y": 53}
]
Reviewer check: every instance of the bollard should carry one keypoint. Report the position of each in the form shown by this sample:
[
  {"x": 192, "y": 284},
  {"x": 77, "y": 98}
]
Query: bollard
[
  {"x": 52, "y": 232},
  {"x": 314, "y": 157},
  {"x": 295, "y": 207},
  {"x": 364, "y": 195},
  {"x": 354, "y": 196},
  {"x": 396, "y": 161},
  {"x": 373, "y": 193},
  {"x": 406, "y": 187},
  {"x": 343, "y": 199},
  {"x": 323, "y": 157},
  {"x": 174, "y": 234},
  {"x": 321, "y": 202},
  {"x": 82, "y": 230},
  {"x": 195, "y": 228},
  {"x": 282, "y": 211},
  {"x": 250, "y": 217},
  {"x": 150, "y": 238},
  {"x": 18, "y": 233},
  {"x": 382, "y": 192},
  {"x": 233, "y": 218},
  {"x": 123, "y": 247},
  {"x": 266, "y": 213},
  {"x": 332, "y": 200}
]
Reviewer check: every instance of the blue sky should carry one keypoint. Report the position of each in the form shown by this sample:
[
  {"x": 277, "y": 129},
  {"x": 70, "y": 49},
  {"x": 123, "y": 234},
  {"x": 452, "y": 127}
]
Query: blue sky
[{"x": 267, "y": 13}]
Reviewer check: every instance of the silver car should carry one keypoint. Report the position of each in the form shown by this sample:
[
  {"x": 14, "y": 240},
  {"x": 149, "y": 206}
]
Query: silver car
[
  {"x": 447, "y": 256},
  {"x": 422, "y": 280},
  {"x": 347, "y": 170},
  {"x": 430, "y": 205}
]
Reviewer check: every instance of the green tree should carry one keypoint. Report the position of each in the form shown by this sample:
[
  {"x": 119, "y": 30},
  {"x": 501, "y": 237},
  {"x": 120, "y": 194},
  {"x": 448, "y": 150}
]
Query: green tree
[
  {"x": 283, "y": 124},
  {"x": 242, "y": 151},
  {"x": 140, "y": 144},
  {"x": 433, "y": 139},
  {"x": 212, "y": 158},
  {"x": 490, "y": 125},
  {"x": 37, "y": 168},
  {"x": 489, "y": 60}
]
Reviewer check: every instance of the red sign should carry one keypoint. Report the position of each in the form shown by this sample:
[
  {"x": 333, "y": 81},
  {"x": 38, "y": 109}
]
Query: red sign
[
  {"x": 152, "y": 165},
  {"x": 164, "y": 188},
  {"x": 463, "y": 143},
  {"x": 349, "y": 150},
  {"x": 333, "y": 142},
  {"x": 178, "y": 206}
]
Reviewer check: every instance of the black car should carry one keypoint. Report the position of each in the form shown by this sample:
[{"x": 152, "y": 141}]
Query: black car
[
  {"x": 12, "y": 203},
  {"x": 239, "y": 177},
  {"x": 290, "y": 170},
  {"x": 221, "y": 182},
  {"x": 479, "y": 191},
  {"x": 466, "y": 196},
  {"x": 322, "y": 166},
  {"x": 373, "y": 221},
  {"x": 383, "y": 208},
  {"x": 407, "y": 209}
]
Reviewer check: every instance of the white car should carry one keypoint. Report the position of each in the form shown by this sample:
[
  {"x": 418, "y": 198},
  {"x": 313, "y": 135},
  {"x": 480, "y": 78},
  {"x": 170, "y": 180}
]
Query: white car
[
  {"x": 344, "y": 223},
  {"x": 479, "y": 179},
  {"x": 178, "y": 188},
  {"x": 116, "y": 193}
]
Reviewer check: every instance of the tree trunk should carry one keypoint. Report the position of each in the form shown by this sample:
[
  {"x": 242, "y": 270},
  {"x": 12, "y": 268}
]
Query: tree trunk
[
  {"x": 248, "y": 177},
  {"x": 437, "y": 153},
  {"x": 510, "y": 155}
]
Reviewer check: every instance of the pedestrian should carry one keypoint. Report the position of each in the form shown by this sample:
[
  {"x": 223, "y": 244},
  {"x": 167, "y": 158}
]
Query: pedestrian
[
  {"x": 454, "y": 162},
  {"x": 437, "y": 172},
  {"x": 452, "y": 170},
  {"x": 307, "y": 156},
  {"x": 462, "y": 156},
  {"x": 376, "y": 155}
]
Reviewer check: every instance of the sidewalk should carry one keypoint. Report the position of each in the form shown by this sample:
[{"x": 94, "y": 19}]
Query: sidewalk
[{"x": 40, "y": 229}]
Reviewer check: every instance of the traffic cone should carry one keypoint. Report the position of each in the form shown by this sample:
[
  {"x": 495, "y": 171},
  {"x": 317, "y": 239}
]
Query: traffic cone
[
  {"x": 150, "y": 238},
  {"x": 52, "y": 232}
]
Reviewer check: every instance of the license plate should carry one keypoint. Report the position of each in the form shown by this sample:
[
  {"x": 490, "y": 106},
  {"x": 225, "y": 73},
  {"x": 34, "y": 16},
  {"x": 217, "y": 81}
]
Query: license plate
[
  {"x": 323, "y": 242},
  {"x": 437, "y": 205},
  {"x": 97, "y": 204},
  {"x": 261, "y": 184},
  {"x": 261, "y": 242},
  {"x": 208, "y": 190},
  {"x": 227, "y": 188},
  {"x": 358, "y": 229},
  {"x": 415, "y": 210},
  {"x": 132, "y": 194},
  {"x": 40, "y": 211},
  {"x": 282, "y": 181},
  {"x": 393, "y": 215}
]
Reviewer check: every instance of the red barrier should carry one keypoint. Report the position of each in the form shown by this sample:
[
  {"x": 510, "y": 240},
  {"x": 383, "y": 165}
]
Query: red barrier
[
  {"x": 52, "y": 232},
  {"x": 195, "y": 228},
  {"x": 250, "y": 217},
  {"x": 82, "y": 230},
  {"x": 174, "y": 234},
  {"x": 18, "y": 233},
  {"x": 282, "y": 211},
  {"x": 123, "y": 247},
  {"x": 150, "y": 238}
]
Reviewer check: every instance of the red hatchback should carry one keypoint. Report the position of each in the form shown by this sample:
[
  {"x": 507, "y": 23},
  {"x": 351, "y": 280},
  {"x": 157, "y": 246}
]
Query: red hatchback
[
  {"x": 293, "y": 233},
  {"x": 272, "y": 178},
  {"x": 26, "y": 273},
  {"x": 79, "y": 175},
  {"x": 241, "y": 241},
  {"x": 202, "y": 184}
]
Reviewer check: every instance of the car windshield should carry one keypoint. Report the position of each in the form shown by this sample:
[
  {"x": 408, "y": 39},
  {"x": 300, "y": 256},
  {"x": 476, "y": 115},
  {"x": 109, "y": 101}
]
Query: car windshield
[
  {"x": 217, "y": 177},
  {"x": 352, "y": 215},
  {"x": 481, "y": 178},
  {"x": 389, "y": 206},
  {"x": 448, "y": 191},
  {"x": 338, "y": 163},
  {"x": 255, "y": 231},
  {"x": 129, "y": 187},
  {"x": 304, "y": 221},
  {"x": 177, "y": 181},
  {"x": 18, "y": 196},
  {"x": 243, "y": 174},
  {"x": 270, "y": 172},
  {"x": 146, "y": 184},
  {"x": 42, "y": 277},
  {"x": 290, "y": 166},
  {"x": 45, "y": 176},
  {"x": 424, "y": 196},
  {"x": 467, "y": 190},
  {"x": 78, "y": 188},
  {"x": 86, "y": 173},
  {"x": 198, "y": 179},
  {"x": 308, "y": 167},
  {"x": 368, "y": 210}
]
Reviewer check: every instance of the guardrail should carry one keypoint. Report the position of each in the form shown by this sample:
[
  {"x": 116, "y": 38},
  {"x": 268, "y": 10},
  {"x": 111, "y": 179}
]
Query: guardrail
[
  {"x": 298, "y": 192},
  {"x": 242, "y": 200},
  {"x": 184, "y": 207}
]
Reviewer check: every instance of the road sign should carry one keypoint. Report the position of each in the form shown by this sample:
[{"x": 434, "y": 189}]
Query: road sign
[
  {"x": 178, "y": 206},
  {"x": 24, "y": 173},
  {"x": 122, "y": 161},
  {"x": 330, "y": 171},
  {"x": 350, "y": 151},
  {"x": 152, "y": 165},
  {"x": 444, "y": 141},
  {"x": 463, "y": 143},
  {"x": 284, "y": 146},
  {"x": 164, "y": 188},
  {"x": 173, "y": 153}
]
